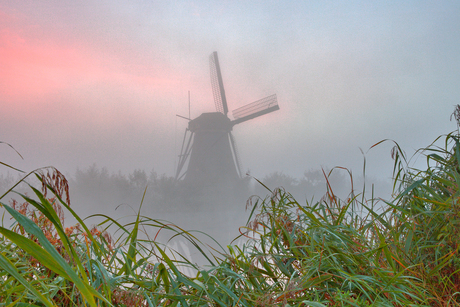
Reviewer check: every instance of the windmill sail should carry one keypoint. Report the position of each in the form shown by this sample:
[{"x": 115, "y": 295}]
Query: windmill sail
[
  {"x": 217, "y": 85},
  {"x": 236, "y": 155},
  {"x": 255, "y": 109}
]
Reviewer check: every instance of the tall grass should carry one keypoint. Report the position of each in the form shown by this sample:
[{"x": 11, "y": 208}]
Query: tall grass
[{"x": 335, "y": 252}]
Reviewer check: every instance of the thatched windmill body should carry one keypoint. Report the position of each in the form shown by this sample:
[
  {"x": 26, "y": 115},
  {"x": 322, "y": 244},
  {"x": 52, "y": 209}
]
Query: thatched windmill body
[{"x": 208, "y": 145}]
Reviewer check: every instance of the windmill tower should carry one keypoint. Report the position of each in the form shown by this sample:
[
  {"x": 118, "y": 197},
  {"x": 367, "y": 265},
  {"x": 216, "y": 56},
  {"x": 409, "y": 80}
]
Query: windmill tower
[{"x": 208, "y": 145}]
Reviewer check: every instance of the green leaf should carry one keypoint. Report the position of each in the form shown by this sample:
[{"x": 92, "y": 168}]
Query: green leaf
[
  {"x": 61, "y": 265},
  {"x": 8, "y": 266}
]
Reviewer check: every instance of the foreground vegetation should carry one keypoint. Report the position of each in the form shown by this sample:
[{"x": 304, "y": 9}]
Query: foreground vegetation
[{"x": 335, "y": 252}]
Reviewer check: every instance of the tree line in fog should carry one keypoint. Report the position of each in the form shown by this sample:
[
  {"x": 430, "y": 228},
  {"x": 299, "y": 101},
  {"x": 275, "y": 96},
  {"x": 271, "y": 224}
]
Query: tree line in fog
[{"x": 99, "y": 187}]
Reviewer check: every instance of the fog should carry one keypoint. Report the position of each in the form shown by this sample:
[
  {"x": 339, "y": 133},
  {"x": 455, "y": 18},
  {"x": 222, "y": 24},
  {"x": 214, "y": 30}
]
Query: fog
[
  {"x": 99, "y": 84},
  {"x": 216, "y": 210}
]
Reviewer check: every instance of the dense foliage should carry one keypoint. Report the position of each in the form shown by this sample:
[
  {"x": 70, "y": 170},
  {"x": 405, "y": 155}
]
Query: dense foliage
[{"x": 334, "y": 252}]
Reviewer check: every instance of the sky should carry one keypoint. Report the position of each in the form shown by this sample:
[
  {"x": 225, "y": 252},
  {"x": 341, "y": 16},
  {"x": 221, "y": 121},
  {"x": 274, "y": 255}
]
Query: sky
[{"x": 101, "y": 82}]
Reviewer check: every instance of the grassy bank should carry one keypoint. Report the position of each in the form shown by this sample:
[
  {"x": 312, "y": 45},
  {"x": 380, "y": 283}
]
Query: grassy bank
[{"x": 335, "y": 252}]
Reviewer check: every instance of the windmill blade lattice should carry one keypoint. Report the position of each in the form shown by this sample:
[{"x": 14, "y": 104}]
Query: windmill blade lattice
[
  {"x": 236, "y": 155},
  {"x": 255, "y": 109},
  {"x": 217, "y": 84}
]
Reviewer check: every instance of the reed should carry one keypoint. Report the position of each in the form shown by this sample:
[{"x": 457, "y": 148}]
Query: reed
[{"x": 334, "y": 252}]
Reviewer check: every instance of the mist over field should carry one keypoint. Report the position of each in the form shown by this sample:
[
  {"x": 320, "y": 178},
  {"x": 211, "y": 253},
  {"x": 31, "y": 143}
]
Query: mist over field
[{"x": 215, "y": 212}]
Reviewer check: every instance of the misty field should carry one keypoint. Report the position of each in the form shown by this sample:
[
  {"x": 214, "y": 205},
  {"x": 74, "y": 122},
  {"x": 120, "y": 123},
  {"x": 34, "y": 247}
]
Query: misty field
[{"x": 355, "y": 251}]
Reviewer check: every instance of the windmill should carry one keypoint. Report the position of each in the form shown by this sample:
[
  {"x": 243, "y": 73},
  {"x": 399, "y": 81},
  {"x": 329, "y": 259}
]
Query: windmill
[{"x": 208, "y": 145}]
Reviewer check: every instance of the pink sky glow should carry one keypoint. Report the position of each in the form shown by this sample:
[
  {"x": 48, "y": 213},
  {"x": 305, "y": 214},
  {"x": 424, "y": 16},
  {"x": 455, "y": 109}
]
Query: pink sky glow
[{"x": 33, "y": 69}]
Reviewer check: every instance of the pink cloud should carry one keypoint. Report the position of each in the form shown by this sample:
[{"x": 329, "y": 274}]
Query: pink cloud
[
  {"x": 47, "y": 81},
  {"x": 36, "y": 68},
  {"x": 32, "y": 68}
]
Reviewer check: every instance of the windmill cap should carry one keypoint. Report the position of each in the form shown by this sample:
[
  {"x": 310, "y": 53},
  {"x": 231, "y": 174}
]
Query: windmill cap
[{"x": 210, "y": 121}]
